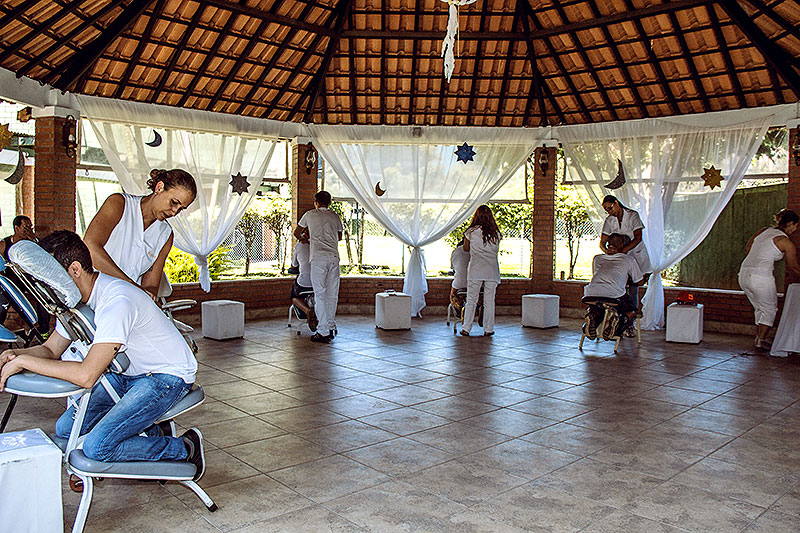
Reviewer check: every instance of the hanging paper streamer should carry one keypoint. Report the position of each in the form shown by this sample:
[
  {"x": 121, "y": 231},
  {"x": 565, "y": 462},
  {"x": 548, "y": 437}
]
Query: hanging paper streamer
[{"x": 449, "y": 43}]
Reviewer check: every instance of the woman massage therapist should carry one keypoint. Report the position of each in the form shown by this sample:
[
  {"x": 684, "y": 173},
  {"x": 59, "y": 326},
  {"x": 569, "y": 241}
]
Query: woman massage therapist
[{"x": 130, "y": 237}]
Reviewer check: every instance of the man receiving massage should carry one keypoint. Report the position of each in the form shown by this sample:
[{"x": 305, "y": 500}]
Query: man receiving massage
[{"x": 162, "y": 366}]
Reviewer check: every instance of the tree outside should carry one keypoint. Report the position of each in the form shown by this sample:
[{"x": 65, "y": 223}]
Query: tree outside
[{"x": 575, "y": 221}]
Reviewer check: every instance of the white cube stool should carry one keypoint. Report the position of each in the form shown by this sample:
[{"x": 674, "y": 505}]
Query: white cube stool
[
  {"x": 540, "y": 310},
  {"x": 684, "y": 323},
  {"x": 223, "y": 319},
  {"x": 30, "y": 467},
  {"x": 392, "y": 310}
]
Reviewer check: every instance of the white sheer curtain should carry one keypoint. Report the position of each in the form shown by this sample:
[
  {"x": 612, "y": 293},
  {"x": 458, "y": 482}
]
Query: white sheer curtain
[
  {"x": 428, "y": 192},
  {"x": 664, "y": 161},
  {"x": 212, "y": 158}
]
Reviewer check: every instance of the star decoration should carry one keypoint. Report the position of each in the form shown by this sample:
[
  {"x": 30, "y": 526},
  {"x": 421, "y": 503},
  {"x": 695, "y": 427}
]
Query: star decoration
[
  {"x": 239, "y": 183},
  {"x": 712, "y": 177},
  {"x": 465, "y": 153},
  {"x": 5, "y": 136}
]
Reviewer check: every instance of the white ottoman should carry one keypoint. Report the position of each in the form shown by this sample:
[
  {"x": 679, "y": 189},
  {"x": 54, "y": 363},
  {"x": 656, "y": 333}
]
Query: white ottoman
[
  {"x": 540, "y": 310},
  {"x": 685, "y": 323},
  {"x": 223, "y": 319},
  {"x": 392, "y": 310}
]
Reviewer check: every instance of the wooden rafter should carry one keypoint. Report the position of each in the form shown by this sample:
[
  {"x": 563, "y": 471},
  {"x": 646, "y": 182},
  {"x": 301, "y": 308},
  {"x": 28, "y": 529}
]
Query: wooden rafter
[
  {"x": 506, "y": 68},
  {"x": 537, "y": 82},
  {"x": 83, "y": 61},
  {"x": 37, "y": 30},
  {"x": 270, "y": 16},
  {"x": 176, "y": 53},
  {"x": 474, "y": 84},
  {"x": 726, "y": 55},
  {"x": 770, "y": 13},
  {"x": 775, "y": 56},
  {"x": 412, "y": 93},
  {"x": 352, "y": 77},
  {"x": 33, "y": 63},
  {"x": 618, "y": 58},
  {"x": 16, "y": 11},
  {"x": 655, "y": 62},
  {"x": 564, "y": 72},
  {"x": 340, "y": 16},
  {"x": 139, "y": 47},
  {"x": 698, "y": 83},
  {"x": 585, "y": 58}
]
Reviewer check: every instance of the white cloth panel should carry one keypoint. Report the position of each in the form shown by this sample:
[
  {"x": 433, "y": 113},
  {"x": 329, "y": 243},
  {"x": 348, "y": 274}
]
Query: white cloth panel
[
  {"x": 663, "y": 162},
  {"x": 212, "y": 158},
  {"x": 787, "y": 338},
  {"x": 428, "y": 192}
]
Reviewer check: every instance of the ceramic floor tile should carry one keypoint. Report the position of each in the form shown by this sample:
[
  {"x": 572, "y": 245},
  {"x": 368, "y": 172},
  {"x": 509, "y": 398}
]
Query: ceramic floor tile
[
  {"x": 789, "y": 504},
  {"x": 623, "y": 521},
  {"x": 346, "y": 436},
  {"x": 521, "y": 458},
  {"x": 459, "y": 438},
  {"x": 278, "y": 452},
  {"x": 316, "y": 519},
  {"x": 399, "y": 456},
  {"x": 405, "y": 420}
]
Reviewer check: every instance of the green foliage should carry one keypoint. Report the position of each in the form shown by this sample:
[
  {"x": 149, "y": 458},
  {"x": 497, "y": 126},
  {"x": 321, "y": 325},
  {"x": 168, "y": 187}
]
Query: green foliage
[
  {"x": 774, "y": 144},
  {"x": 273, "y": 212},
  {"x": 181, "y": 268},
  {"x": 509, "y": 217},
  {"x": 572, "y": 212}
]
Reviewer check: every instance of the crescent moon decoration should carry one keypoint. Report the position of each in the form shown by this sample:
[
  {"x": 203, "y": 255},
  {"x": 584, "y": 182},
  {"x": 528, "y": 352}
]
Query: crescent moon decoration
[
  {"x": 16, "y": 176},
  {"x": 378, "y": 190},
  {"x": 156, "y": 140},
  {"x": 619, "y": 180}
]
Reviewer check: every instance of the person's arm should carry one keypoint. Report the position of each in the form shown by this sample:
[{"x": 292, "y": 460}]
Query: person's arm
[
  {"x": 637, "y": 238},
  {"x": 604, "y": 242},
  {"x": 298, "y": 232},
  {"x": 787, "y": 247},
  {"x": 52, "y": 348},
  {"x": 99, "y": 231},
  {"x": 151, "y": 279},
  {"x": 84, "y": 373},
  {"x": 466, "y": 244},
  {"x": 753, "y": 238}
]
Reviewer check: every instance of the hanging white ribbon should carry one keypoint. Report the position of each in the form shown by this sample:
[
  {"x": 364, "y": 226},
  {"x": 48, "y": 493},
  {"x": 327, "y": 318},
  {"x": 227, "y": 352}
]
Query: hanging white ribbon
[{"x": 449, "y": 42}]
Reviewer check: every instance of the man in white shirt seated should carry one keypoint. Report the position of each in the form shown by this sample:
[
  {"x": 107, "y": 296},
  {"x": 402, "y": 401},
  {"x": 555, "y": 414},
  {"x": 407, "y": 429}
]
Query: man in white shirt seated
[
  {"x": 610, "y": 274},
  {"x": 324, "y": 233},
  {"x": 459, "y": 261},
  {"x": 162, "y": 366},
  {"x": 302, "y": 290}
]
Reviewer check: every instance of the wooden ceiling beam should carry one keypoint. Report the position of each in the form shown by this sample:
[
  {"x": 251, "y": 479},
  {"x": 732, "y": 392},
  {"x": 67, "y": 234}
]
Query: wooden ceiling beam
[
  {"x": 352, "y": 77},
  {"x": 769, "y": 12},
  {"x": 14, "y": 13},
  {"x": 474, "y": 84},
  {"x": 413, "y": 65},
  {"x": 82, "y": 61},
  {"x": 536, "y": 79},
  {"x": 586, "y": 61},
  {"x": 63, "y": 41},
  {"x": 726, "y": 55},
  {"x": 655, "y": 63},
  {"x": 340, "y": 16},
  {"x": 687, "y": 57},
  {"x": 775, "y": 56},
  {"x": 269, "y": 16},
  {"x": 564, "y": 72},
  {"x": 38, "y": 29},
  {"x": 506, "y": 68},
  {"x": 148, "y": 31}
]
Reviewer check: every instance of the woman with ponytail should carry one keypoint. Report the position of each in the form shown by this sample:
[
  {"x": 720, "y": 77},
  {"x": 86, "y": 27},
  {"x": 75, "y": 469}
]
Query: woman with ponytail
[
  {"x": 130, "y": 237},
  {"x": 482, "y": 241}
]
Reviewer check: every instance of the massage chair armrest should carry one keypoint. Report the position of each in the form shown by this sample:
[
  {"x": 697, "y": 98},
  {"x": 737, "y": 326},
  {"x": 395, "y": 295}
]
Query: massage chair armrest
[
  {"x": 179, "y": 305},
  {"x": 38, "y": 386}
]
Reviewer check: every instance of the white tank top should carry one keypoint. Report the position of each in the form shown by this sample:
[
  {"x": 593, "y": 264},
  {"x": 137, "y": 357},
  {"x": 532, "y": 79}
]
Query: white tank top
[
  {"x": 133, "y": 249},
  {"x": 763, "y": 253}
]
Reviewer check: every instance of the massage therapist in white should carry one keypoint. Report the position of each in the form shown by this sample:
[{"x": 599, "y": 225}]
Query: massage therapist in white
[
  {"x": 162, "y": 366},
  {"x": 130, "y": 237}
]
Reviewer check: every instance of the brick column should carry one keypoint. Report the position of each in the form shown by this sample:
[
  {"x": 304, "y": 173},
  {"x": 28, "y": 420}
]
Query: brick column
[
  {"x": 544, "y": 197},
  {"x": 793, "y": 201},
  {"x": 304, "y": 183},
  {"x": 55, "y": 184}
]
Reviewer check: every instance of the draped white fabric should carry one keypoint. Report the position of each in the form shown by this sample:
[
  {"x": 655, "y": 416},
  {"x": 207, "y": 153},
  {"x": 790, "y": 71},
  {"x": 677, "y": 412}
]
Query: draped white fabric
[
  {"x": 212, "y": 158},
  {"x": 428, "y": 192},
  {"x": 663, "y": 161}
]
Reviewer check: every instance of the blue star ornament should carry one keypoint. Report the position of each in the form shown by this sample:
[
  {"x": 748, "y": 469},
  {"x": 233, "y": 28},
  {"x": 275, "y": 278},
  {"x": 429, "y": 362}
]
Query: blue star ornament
[
  {"x": 465, "y": 153},
  {"x": 239, "y": 183}
]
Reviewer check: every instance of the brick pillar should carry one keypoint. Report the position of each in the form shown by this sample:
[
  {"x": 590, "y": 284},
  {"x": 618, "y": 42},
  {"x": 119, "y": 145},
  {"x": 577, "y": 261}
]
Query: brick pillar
[
  {"x": 793, "y": 201},
  {"x": 304, "y": 183},
  {"x": 55, "y": 184},
  {"x": 544, "y": 197}
]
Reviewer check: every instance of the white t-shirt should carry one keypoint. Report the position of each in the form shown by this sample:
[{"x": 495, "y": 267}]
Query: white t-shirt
[
  {"x": 459, "y": 261},
  {"x": 610, "y": 275},
  {"x": 125, "y": 314},
  {"x": 302, "y": 261},
  {"x": 630, "y": 223},
  {"x": 764, "y": 253},
  {"x": 483, "y": 263},
  {"x": 133, "y": 248},
  {"x": 324, "y": 227}
]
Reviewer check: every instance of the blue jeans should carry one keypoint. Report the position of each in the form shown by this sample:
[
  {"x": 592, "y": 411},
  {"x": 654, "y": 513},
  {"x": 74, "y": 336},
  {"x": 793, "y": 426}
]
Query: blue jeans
[{"x": 114, "y": 429}]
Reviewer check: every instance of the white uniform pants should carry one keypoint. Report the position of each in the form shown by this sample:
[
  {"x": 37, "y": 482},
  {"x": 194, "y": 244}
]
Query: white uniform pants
[
  {"x": 760, "y": 290},
  {"x": 473, "y": 290},
  {"x": 325, "y": 281}
]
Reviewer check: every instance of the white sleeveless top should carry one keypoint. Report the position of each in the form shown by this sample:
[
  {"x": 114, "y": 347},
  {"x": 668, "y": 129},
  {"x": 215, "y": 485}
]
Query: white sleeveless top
[
  {"x": 132, "y": 249},
  {"x": 763, "y": 253}
]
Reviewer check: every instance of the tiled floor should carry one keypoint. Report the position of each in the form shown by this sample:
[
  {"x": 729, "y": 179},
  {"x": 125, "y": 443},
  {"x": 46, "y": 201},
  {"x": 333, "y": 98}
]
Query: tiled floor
[{"x": 425, "y": 431}]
